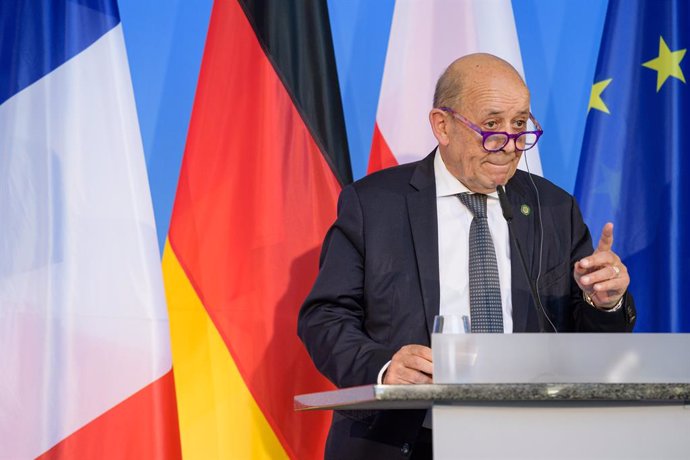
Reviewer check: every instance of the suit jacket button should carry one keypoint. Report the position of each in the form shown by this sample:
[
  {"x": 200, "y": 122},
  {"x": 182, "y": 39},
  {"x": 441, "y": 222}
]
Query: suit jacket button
[{"x": 405, "y": 449}]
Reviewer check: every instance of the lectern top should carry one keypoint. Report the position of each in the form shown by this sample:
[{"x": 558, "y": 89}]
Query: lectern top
[{"x": 424, "y": 396}]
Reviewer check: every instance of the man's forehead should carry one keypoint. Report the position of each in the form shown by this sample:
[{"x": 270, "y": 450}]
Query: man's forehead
[
  {"x": 497, "y": 103},
  {"x": 500, "y": 84},
  {"x": 496, "y": 98}
]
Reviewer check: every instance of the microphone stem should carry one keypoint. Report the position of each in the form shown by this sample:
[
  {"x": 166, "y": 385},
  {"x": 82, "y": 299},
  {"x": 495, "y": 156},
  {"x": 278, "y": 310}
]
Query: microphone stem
[
  {"x": 532, "y": 287},
  {"x": 508, "y": 216}
]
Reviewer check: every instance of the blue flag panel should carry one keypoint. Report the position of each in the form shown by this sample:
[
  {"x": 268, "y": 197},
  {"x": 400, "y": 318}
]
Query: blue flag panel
[
  {"x": 38, "y": 36},
  {"x": 635, "y": 159}
]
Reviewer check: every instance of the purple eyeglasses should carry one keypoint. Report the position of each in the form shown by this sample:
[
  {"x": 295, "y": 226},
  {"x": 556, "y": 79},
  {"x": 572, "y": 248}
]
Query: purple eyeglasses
[{"x": 494, "y": 141}]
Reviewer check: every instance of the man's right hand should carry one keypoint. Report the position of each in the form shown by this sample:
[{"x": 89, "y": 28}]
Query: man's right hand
[{"x": 411, "y": 364}]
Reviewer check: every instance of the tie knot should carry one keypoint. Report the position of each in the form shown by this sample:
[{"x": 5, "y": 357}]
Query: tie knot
[{"x": 475, "y": 202}]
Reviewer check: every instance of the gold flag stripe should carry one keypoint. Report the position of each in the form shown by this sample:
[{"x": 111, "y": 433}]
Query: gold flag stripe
[{"x": 219, "y": 418}]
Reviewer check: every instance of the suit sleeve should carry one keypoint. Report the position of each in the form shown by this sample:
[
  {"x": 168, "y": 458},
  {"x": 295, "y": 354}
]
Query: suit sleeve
[
  {"x": 331, "y": 320},
  {"x": 588, "y": 318}
]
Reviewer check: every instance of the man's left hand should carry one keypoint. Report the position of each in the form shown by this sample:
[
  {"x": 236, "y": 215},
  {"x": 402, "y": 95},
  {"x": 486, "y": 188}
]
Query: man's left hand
[{"x": 602, "y": 276}]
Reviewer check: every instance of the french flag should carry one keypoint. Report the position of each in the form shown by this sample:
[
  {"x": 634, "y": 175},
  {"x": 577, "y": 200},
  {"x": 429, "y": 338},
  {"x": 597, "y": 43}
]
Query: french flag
[
  {"x": 84, "y": 336},
  {"x": 425, "y": 38}
]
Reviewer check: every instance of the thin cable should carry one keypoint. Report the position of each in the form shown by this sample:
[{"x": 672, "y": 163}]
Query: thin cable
[{"x": 541, "y": 244}]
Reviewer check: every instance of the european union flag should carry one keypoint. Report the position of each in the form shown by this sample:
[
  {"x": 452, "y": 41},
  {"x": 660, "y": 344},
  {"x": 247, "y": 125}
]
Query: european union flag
[{"x": 635, "y": 160}]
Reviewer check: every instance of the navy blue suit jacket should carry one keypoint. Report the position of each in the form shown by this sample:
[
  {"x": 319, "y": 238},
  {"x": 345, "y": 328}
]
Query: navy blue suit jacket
[{"x": 378, "y": 287}]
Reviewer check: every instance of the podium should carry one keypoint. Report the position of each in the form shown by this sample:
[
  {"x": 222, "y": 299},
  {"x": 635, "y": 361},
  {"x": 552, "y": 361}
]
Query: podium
[{"x": 570, "y": 396}]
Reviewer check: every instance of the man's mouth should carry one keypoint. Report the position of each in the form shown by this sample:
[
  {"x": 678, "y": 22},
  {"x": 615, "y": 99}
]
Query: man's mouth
[{"x": 499, "y": 165}]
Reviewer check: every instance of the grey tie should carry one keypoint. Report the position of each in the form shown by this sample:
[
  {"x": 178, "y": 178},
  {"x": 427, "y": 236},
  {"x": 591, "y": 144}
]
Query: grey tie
[{"x": 486, "y": 313}]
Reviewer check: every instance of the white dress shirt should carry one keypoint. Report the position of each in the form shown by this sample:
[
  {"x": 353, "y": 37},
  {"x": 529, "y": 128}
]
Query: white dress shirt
[{"x": 454, "y": 221}]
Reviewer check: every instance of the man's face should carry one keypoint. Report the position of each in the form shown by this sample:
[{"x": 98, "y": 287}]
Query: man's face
[{"x": 499, "y": 102}]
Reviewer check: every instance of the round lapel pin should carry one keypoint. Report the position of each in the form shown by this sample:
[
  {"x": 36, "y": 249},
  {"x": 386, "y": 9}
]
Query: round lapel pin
[{"x": 525, "y": 209}]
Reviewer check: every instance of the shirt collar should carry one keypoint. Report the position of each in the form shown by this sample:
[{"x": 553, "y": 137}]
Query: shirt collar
[{"x": 446, "y": 183}]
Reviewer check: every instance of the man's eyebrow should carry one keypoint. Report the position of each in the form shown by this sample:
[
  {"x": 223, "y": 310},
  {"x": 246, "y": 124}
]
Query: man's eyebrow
[{"x": 491, "y": 113}]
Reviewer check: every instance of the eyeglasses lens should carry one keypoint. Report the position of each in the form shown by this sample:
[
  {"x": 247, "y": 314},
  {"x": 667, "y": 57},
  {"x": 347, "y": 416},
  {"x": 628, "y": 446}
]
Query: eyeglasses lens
[{"x": 496, "y": 142}]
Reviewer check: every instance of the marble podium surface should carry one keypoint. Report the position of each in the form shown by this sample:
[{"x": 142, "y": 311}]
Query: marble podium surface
[{"x": 424, "y": 396}]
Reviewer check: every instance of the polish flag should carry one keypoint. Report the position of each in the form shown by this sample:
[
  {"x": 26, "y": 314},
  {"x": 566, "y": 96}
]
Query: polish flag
[{"x": 425, "y": 38}]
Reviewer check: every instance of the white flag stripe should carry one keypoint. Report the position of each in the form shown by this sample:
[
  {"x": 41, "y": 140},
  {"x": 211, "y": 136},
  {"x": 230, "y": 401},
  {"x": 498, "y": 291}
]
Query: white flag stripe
[
  {"x": 84, "y": 323},
  {"x": 425, "y": 38}
]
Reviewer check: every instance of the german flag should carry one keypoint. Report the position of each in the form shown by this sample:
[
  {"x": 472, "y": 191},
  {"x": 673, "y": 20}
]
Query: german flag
[{"x": 265, "y": 159}]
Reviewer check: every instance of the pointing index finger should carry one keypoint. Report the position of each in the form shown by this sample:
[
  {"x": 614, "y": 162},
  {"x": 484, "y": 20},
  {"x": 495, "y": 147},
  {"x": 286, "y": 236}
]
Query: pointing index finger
[{"x": 606, "y": 239}]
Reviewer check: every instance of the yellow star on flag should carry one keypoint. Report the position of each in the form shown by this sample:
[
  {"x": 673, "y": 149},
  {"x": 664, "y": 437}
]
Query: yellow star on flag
[
  {"x": 667, "y": 64},
  {"x": 595, "y": 100}
]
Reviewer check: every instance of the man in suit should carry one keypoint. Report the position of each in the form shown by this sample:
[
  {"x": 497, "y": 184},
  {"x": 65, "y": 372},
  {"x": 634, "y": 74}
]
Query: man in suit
[{"x": 397, "y": 255}]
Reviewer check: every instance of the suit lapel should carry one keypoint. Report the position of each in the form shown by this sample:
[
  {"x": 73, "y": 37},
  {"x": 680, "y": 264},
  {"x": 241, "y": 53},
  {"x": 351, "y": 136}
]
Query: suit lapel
[
  {"x": 421, "y": 203},
  {"x": 524, "y": 229}
]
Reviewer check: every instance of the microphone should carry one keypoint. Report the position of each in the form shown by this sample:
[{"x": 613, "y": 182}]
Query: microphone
[{"x": 508, "y": 216}]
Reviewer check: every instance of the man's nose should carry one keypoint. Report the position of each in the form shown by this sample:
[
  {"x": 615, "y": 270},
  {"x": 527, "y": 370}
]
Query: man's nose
[{"x": 511, "y": 145}]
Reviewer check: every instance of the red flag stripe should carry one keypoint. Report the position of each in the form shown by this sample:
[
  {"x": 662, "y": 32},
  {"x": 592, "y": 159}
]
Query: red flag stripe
[
  {"x": 381, "y": 156},
  {"x": 142, "y": 426}
]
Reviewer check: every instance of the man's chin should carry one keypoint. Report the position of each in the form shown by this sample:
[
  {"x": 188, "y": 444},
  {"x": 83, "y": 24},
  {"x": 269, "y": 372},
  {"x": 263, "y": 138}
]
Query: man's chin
[{"x": 502, "y": 178}]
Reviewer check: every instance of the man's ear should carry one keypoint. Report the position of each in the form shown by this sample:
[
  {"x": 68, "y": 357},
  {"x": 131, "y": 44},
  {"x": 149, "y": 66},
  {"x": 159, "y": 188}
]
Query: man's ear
[{"x": 439, "y": 126}]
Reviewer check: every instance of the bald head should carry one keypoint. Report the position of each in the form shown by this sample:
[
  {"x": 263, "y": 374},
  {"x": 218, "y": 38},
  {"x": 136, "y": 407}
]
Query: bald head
[
  {"x": 468, "y": 71},
  {"x": 484, "y": 94}
]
